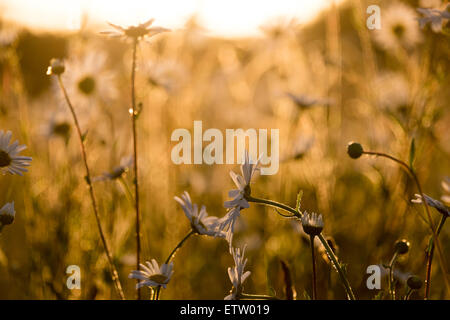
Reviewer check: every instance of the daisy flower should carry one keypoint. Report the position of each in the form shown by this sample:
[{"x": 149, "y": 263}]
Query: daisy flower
[
  {"x": 10, "y": 161},
  {"x": 237, "y": 274},
  {"x": 167, "y": 74},
  {"x": 398, "y": 27},
  {"x": 152, "y": 275},
  {"x": 439, "y": 206},
  {"x": 392, "y": 91},
  {"x": 434, "y": 17},
  {"x": 7, "y": 214},
  {"x": 200, "y": 222},
  {"x": 88, "y": 81},
  {"x": 312, "y": 223},
  {"x": 143, "y": 30},
  {"x": 248, "y": 169}
]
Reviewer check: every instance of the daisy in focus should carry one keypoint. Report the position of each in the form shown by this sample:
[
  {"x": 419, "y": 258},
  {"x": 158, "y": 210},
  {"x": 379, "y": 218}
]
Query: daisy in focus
[
  {"x": 399, "y": 27},
  {"x": 200, "y": 222},
  {"x": 237, "y": 274},
  {"x": 10, "y": 160},
  {"x": 143, "y": 30},
  {"x": 248, "y": 170},
  {"x": 152, "y": 275}
]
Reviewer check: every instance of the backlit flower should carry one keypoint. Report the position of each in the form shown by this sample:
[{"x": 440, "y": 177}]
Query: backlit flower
[
  {"x": 237, "y": 274},
  {"x": 10, "y": 160},
  {"x": 434, "y": 17},
  {"x": 152, "y": 275},
  {"x": 135, "y": 32},
  {"x": 312, "y": 223},
  {"x": 200, "y": 222}
]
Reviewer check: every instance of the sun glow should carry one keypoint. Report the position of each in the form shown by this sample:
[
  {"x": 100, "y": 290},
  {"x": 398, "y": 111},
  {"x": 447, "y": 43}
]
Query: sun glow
[{"x": 225, "y": 18}]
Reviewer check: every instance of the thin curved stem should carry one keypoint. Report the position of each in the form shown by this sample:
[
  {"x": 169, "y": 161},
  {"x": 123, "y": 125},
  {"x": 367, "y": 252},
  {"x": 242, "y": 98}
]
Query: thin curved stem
[
  {"x": 430, "y": 223},
  {"x": 172, "y": 254},
  {"x": 134, "y": 114},
  {"x": 247, "y": 296},
  {"x": 391, "y": 275},
  {"x": 430, "y": 254},
  {"x": 330, "y": 253},
  {"x": 114, "y": 273}
]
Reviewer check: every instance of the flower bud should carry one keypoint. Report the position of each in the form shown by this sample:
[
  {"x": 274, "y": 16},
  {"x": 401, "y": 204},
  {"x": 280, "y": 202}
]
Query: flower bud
[
  {"x": 402, "y": 246},
  {"x": 414, "y": 282},
  {"x": 56, "y": 67},
  {"x": 354, "y": 150},
  {"x": 312, "y": 223}
]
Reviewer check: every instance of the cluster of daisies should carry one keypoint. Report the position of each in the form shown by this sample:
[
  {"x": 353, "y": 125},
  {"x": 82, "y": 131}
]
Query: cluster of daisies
[
  {"x": 154, "y": 276},
  {"x": 13, "y": 163}
]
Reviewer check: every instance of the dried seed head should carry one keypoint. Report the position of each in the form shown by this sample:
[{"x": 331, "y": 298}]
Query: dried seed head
[
  {"x": 354, "y": 150},
  {"x": 402, "y": 246},
  {"x": 414, "y": 282},
  {"x": 56, "y": 67}
]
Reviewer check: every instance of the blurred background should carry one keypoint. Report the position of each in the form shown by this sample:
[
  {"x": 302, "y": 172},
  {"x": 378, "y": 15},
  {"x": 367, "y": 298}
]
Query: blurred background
[{"x": 311, "y": 69}]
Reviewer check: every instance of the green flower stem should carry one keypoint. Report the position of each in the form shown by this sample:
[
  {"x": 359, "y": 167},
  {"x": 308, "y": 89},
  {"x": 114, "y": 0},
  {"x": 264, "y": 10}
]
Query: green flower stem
[
  {"x": 408, "y": 293},
  {"x": 330, "y": 253},
  {"x": 431, "y": 252},
  {"x": 114, "y": 273},
  {"x": 246, "y": 296},
  {"x": 171, "y": 255},
  {"x": 314, "y": 281},
  {"x": 391, "y": 275},
  {"x": 430, "y": 221}
]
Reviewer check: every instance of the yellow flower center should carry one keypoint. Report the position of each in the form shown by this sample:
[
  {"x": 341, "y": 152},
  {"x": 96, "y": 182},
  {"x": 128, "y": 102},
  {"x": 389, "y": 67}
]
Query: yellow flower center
[
  {"x": 5, "y": 159},
  {"x": 87, "y": 85}
]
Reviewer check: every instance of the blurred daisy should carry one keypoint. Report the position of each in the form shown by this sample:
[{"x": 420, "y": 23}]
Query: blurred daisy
[
  {"x": 7, "y": 36},
  {"x": 59, "y": 125},
  {"x": 200, "y": 222},
  {"x": 398, "y": 27},
  {"x": 10, "y": 161},
  {"x": 152, "y": 275},
  {"x": 304, "y": 101},
  {"x": 237, "y": 274},
  {"x": 312, "y": 223},
  {"x": 117, "y": 172},
  {"x": 88, "y": 81},
  {"x": 167, "y": 74},
  {"x": 143, "y": 30},
  {"x": 392, "y": 91},
  {"x": 439, "y": 206},
  {"x": 434, "y": 17},
  {"x": 7, "y": 214}
]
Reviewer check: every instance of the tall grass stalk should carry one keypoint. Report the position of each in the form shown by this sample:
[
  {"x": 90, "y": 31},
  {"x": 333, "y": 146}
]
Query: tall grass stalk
[
  {"x": 114, "y": 273},
  {"x": 134, "y": 113}
]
